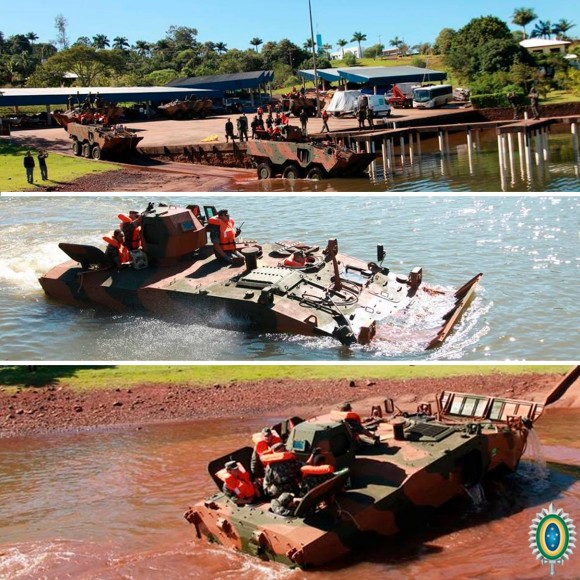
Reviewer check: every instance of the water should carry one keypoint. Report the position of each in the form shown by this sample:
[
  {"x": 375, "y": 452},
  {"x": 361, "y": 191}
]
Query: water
[
  {"x": 108, "y": 504},
  {"x": 457, "y": 170},
  {"x": 527, "y": 305}
]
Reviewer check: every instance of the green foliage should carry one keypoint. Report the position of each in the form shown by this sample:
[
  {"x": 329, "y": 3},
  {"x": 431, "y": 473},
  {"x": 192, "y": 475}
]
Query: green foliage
[
  {"x": 374, "y": 51},
  {"x": 160, "y": 77},
  {"x": 489, "y": 101},
  {"x": 282, "y": 73},
  {"x": 443, "y": 41},
  {"x": 484, "y": 46},
  {"x": 418, "y": 62},
  {"x": 350, "y": 59}
]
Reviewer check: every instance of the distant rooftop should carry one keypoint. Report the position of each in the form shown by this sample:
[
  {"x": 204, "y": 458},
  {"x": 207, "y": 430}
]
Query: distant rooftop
[
  {"x": 377, "y": 75},
  {"x": 542, "y": 42}
]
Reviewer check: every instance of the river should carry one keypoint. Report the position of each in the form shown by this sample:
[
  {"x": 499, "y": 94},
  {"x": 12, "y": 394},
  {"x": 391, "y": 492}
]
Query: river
[
  {"x": 527, "y": 306},
  {"x": 457, "y": 170},
  {"x": 108, "y": 504}
]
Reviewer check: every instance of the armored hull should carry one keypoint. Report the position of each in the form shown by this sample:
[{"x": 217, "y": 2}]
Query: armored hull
[
  {"x": 330, "y": 295},
  {"x": 187, "y": 109},
  {"x": 417, "y": 464},
  {"x": 110, "y": 112},
  {"x": 97, "y": 141}
]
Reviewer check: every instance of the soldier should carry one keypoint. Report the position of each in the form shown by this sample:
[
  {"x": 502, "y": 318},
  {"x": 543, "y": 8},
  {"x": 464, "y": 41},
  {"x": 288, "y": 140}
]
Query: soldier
[
  {"x": 282, "y": 472},
  {"x": 229, "y": 131},
  {"x": 224, "y": 240},
  {"x": 243, "y": 127},
  {"x": 361, "y": 115},
  {"x": 237, "y": 483},
  {"x": 514, "y": 100},
  {"x": 264, "y": 442},
  {"x": 116, "y": 251},
  {"x": 304, "y": 121},
  {"x": 315, "y": 472},
  {"x": 284, "y": 505},
  {"x": 534, "y": 102},
  {"x": 370, "y": 118},
  {"x": 345, "y": 413},
  {"x": 254, "y": 126},
  {"x": 325, "y": 128},
  {"x": 42, "y": 155}
]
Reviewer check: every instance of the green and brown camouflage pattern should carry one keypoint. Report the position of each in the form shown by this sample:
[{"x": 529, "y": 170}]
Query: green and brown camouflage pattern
[
  {"x": 97, "y": 141},
  {"x": 334, "y": 295},
  {"x": 187, "y": 109},
  {"x": 112, "y": 112},
  {"x": 295, "y": 104},
  {"x": 306, "y": 158},
  {"x": 422, "y": 461}
]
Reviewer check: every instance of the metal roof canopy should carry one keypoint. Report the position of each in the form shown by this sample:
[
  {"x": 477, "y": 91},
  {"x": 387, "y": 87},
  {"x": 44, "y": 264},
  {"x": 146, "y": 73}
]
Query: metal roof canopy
[
  {"x": 227, "y": 82},
  {"x": 57, "y": 96},
  {"x": 377, "y": 75}
]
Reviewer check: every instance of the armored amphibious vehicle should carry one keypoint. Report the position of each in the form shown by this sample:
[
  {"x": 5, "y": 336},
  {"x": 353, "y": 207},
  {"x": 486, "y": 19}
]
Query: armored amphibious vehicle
[
  {"x": 419, "y": 462},
  {"x": 178, "y": 276},
  {"x": 97, "y": 141}
]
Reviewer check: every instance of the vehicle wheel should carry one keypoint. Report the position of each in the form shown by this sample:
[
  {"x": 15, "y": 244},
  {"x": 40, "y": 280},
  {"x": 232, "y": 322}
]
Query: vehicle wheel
[
  {"x": 291, "y": 172},
  {"x": 264, "y": 171},
  {"x": 96, "y": 152},
  {"x": 86, "y": 150},
  {"x": 91, "y": 137},
  {"x": 315, "y": 173},
  {"x": 76, "y": 147}
]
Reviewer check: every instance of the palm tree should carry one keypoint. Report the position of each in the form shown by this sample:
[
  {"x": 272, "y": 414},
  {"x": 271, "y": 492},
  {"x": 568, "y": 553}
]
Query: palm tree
[
  {"x": 255, "y": 42},
  {"x": 221, "y": 47},
  {"x": 342, "y": 43},
  {"x": 32, "y": 37},
  {"x": 543, "y": 29},
  {"x": 396, "y": 42},
  {"x": 308, "y": 44},
  {"x": 327, "y": 47},
  {"x": 561, "y": 27},
  {"x": 120, "y": 43},
  {"x": 142, "y": 47},
  {"x": 522, "y": 17},
  {"x": 100, "y": 41},
  {"x": 359, "y": 37}
]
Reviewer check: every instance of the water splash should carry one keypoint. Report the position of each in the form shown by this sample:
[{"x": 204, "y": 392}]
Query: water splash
[{"x": 477, "y": 494}]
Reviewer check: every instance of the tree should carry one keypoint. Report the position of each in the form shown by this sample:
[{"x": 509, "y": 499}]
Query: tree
[
  {"x": 142, "y": 47},
  {"x": 87, "y": 63},
  {"x": 308, "y": 44},
  {"x": 60, "y": 23},
  {"x": 374, "y": 50},
  {"x": 83, "y": 40},
  {"x": 100, "y": 41},
  {"x": 120, "y": 43},
  {"x": 484, "y": 46},
  {"x": 182, "y": 37},
  {"x": 522, "y": 17},
  {"x": 561, "y": 27},
  {"x": 341, "y": 42},
  {"x": 32, "y": 37},
  {"x": 358, "y": 37},
  {"x": 443, "y": 41},
  {"x": 221, "y": 47},
  {"x": 396, "y": 42},
  {"x": 423, "y": 48},
  {"x": 255, "y": 42},
  {"x": 543, "y": 29}
]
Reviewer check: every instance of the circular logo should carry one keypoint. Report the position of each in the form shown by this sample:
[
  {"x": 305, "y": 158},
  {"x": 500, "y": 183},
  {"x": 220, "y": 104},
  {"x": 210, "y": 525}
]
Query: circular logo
[{"x": 552, "y": 536}]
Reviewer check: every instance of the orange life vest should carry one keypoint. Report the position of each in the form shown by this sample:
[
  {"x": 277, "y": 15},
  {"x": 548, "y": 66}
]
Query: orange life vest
[
  {"x": 292, "y": 263},
  {"x": 316, "y": 469},
  {"x": 124, "y": 255},
  {"x": 262, "y": 446},
  {"x": 278, "y": 457},
  {"x": 227, "y": 233},
  {"x": 346, "y": 416},
  {"x": 135, "y": 241},
  {"x": 242, "y": 486}
]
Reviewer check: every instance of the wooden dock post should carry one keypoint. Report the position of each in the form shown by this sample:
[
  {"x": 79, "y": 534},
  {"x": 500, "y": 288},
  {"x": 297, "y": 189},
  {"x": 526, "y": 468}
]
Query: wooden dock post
[
  {"x": 521, "y": 154},
  {"x": 574, "y": 131},
  {"x": 385, "y": 162},
  {"x": 538, "y": 151},
  {"x": 440, "y": 137},
  {"x": 402, "y": 148},
  {"x": 510, "y": 139},
  {"x": 411, "y": 152}
]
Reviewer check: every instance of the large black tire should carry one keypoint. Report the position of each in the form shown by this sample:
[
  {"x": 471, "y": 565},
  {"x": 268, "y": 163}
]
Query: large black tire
[
  {"x": 264, "y": 171},
  {"x": 86, "y": 150},
  {"x": 96, "y": 152},
  {"x": 291, "y": 171},
  {"x": 76, "y": 147},
  {"x": 91, "y": 137},
  {"x": 316, "y": 173}
]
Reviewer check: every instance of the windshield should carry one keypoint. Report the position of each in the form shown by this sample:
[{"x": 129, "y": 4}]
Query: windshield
[{"x": 421, "y": 95}]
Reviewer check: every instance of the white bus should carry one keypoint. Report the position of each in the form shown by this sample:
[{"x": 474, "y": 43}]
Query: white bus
[{"x": 433, "y": 96}]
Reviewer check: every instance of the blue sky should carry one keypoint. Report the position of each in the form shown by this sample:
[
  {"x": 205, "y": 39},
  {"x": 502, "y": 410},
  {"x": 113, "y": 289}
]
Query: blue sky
[{"x": 236, "y": 22}]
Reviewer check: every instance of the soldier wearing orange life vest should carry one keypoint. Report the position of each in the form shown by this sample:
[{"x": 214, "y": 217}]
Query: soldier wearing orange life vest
[
  {"x": 345, "y": 413},
  {"x": 131, "y": 228},
  {"x": 237, "y": 483},
  {"x": 282, "y": 472},
  {"x": 116, "y": 251},
  {"x": 263, "y": 445},
  {"x": 224, "y": 240}
]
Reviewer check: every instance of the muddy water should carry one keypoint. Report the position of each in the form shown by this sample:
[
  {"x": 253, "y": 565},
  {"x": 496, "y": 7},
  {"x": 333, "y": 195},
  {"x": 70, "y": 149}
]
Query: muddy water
[{"x": 109, "y": 504}]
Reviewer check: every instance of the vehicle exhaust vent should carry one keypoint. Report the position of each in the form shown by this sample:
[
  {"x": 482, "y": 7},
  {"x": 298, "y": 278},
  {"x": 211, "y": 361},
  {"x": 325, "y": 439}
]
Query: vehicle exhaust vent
[{"x": 429, "y": 432}]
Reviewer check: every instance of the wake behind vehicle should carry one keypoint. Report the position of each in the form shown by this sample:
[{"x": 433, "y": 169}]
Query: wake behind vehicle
[
  {"x": 330, "y": 294},
  {"x": 419, "y": 462}
]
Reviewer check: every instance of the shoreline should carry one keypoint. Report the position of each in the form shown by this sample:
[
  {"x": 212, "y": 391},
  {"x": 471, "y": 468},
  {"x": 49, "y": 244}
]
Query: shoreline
[{"x": 52, "y": 409}]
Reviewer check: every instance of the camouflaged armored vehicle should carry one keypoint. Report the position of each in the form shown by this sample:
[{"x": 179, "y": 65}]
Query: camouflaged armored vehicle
[
  {"x": 294, "y": 104},
  {"x": 187, "y": 109},
  {"x": 418, "y": 463},
  {"x": 97, "y": 141},
  {"x": 178, "y": 276},
  {"x": 295, "y": 158},
  {"x": 109, "y": 114}
]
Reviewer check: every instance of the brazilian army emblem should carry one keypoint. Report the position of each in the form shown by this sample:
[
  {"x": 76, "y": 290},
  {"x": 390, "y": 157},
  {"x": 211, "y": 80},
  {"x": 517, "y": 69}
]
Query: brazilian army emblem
[{"x": 552, "y": 537}]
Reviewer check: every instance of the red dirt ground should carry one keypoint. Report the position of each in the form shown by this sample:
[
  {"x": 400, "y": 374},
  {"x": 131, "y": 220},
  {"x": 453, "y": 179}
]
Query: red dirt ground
[{"x": 58, "y": 408}]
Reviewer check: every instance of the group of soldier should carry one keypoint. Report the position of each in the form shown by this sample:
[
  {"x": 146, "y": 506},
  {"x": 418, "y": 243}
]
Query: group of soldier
[
  {"x": 515, "y": 102},
  {"x": 276, "y": 473},
  {"x": 274, "y": 123},
  {"x": 126, "y": 239}
]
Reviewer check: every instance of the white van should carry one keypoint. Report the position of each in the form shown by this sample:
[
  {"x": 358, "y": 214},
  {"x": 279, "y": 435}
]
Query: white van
[{"x": 347, "y": 103}]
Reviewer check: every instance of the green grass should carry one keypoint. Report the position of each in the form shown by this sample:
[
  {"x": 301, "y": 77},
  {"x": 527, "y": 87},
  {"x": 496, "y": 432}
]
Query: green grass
[
  {"x": 61, "y": 169},
  {"x": 83, "y": 378}
]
